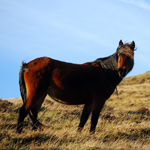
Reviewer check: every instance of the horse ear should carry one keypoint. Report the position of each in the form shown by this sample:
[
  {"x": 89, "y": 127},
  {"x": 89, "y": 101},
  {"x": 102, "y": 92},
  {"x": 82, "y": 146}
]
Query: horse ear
[
  {"x": 132, "y": 45},
  {"x": 120, "y": 43}
]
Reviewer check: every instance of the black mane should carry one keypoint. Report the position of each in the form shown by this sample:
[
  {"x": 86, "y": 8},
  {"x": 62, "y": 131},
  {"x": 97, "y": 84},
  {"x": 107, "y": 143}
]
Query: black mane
[{"x": 109, "y": 64}]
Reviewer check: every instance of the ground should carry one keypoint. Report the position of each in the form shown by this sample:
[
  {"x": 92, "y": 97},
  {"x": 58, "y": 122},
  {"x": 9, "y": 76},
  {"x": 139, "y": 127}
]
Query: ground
[{"x": 124, "y": 122}]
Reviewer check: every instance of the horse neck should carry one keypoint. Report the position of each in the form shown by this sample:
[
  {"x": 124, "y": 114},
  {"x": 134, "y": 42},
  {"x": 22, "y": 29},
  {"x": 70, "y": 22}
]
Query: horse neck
[{"x": 110, "y": 66}]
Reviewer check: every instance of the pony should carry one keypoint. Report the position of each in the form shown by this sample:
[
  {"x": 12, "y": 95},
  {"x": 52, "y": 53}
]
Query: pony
[{"x": 91, "y": 84}]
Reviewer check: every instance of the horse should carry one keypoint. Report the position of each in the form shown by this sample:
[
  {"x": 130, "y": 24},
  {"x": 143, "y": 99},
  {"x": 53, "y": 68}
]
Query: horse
[{"x": 90, "y": 84}]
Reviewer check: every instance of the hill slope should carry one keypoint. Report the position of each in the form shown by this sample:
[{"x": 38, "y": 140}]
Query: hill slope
[{"x": 124, "y": 122}]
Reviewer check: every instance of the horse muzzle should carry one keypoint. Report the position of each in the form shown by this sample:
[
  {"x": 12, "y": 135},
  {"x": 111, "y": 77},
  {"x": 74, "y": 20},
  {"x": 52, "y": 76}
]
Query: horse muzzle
[{"x": 122, "y": 72}]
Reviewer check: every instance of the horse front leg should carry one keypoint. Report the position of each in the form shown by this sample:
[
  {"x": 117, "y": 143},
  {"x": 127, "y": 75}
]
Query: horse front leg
[
  {"x": 96, "y": 109},
  {"x": 85, "y": 114},
  {"x": 94, "y": 120}
]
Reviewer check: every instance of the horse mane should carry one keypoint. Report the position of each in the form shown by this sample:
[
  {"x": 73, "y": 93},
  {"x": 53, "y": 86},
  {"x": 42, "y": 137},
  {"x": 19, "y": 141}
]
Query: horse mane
[{"x": 109, "y": 64}]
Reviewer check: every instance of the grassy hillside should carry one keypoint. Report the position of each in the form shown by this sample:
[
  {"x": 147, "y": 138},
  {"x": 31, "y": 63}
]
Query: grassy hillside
[{"x": 124, "y": 122}]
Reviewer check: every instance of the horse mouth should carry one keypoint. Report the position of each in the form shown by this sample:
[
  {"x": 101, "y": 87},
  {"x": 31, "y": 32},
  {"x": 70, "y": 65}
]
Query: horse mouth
[{"x": 122, "y": 72}]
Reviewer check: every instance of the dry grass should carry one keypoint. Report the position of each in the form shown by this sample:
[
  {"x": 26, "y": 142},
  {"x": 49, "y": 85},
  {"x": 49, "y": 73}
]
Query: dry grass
[
  {"x": 124, "y": 123},
  {"x": 139, "y": 79}
]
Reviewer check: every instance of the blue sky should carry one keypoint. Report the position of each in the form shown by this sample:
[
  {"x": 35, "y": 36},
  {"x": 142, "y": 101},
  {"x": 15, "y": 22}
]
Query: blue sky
[{"x": 73, "y": 31}]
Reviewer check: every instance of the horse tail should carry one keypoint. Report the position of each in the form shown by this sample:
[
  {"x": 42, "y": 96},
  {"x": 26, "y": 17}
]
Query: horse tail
[
  {"x": 22, "y": 82},
  {"x": 23, "y": 89}
]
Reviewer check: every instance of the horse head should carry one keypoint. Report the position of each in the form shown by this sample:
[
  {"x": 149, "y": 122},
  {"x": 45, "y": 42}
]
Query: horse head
[{"x": 125, "y": 53}]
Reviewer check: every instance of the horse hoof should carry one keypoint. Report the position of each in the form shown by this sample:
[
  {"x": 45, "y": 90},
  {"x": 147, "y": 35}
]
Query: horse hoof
[
  {"x": 79, "y": 129},
  {"x": 92, "y": 132},
  {"x": 18, "y": 131}
]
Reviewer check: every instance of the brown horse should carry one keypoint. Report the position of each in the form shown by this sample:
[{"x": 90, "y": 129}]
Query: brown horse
[{"x": 90, "y": 83}]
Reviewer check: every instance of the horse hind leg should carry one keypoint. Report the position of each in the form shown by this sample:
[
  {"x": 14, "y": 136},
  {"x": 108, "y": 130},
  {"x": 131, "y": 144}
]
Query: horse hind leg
[
  {"x": 33, "y": 114},
  {"x": 22, "y": 114},
  {"x": 32, "y": 104},
  {"x": 34, "y": 123}
]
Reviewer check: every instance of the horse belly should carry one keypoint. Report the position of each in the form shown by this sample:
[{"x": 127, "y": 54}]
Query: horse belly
[{"x": 69, "y": 97}]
